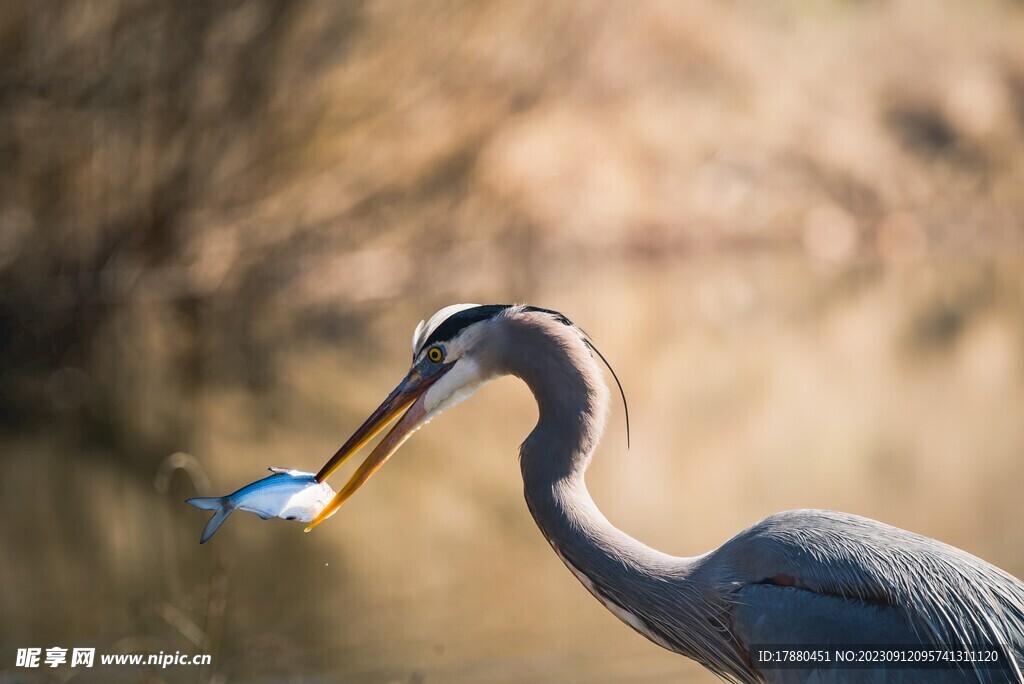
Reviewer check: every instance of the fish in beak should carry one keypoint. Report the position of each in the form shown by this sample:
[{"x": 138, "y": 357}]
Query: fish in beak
[{"x": 407, "y": 397}]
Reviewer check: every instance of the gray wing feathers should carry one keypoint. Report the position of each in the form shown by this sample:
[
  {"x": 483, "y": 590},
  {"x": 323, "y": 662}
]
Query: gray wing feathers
[
  {"x": 770, "y": 615},
  {"x": 767, "y": 614},
  {"x": 944, "y": 595}
]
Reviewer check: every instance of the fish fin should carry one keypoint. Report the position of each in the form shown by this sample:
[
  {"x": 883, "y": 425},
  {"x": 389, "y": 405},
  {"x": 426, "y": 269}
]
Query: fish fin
[
  {"x": 261, "y": 514},
  {"x": 214, "y": 523},
  {"x": 207, "y": 503},
  {"x": 279, "y": 469}
]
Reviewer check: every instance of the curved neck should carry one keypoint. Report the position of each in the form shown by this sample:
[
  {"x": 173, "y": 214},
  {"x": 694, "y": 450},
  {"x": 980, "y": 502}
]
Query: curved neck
[
  {"x": 670, "y": 600},
  {"x": 572, "y": 401}
]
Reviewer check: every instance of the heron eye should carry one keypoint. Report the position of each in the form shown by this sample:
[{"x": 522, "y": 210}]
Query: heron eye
[{"x": 435, "y": 354}]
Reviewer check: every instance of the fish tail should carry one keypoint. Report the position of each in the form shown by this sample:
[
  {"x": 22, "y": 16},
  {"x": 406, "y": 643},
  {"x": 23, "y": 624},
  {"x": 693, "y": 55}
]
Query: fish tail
[
  {"x": 207, "y": 503},
  {"x": 212, "y": 503}
]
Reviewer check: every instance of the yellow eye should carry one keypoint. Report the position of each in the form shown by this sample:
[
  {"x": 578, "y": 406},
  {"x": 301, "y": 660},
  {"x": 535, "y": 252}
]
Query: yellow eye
[{"x": 435, "y": 354}]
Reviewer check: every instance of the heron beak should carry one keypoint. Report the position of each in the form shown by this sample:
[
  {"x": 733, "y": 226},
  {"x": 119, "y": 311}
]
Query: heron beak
[{"x": 403, "y": 398}]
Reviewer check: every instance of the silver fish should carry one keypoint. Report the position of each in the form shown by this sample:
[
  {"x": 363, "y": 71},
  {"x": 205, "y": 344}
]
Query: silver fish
[{"x": 287, "y": 494}]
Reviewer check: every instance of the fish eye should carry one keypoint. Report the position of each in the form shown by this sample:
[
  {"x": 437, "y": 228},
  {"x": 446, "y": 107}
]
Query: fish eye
[{"x": 435, "y": 354}]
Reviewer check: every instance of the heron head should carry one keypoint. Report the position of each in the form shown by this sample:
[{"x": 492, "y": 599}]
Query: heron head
[{"x": 449, "y": 362}]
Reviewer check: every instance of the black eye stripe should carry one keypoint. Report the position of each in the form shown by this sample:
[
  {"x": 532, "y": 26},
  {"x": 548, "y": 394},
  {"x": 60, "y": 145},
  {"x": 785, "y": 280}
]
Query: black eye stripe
[
  {"x": 458, "y": 321},
  {"x": 455, "y": 323}
]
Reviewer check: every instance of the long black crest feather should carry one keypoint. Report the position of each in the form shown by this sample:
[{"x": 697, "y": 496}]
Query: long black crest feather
[
  {"x": 593, "y": 347},
  {"x": 622, "y": 392}
]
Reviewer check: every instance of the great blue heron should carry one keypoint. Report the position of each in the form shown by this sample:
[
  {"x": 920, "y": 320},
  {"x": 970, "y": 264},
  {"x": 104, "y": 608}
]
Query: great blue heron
[{"x": 805, "y": 577}]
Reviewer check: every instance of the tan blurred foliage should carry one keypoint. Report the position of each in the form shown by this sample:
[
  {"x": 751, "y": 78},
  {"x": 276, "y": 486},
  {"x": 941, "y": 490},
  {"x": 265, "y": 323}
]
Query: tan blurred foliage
[{"x": 797, "y": 229}]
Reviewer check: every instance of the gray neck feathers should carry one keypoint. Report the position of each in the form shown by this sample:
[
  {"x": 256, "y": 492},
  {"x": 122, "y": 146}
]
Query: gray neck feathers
[
  {"x": 651, "y": 591},
  {"x": 572, "y": 400}
]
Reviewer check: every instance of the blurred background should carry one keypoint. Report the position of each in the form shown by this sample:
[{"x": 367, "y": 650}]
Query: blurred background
[{"x": 795, "y": 228}]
